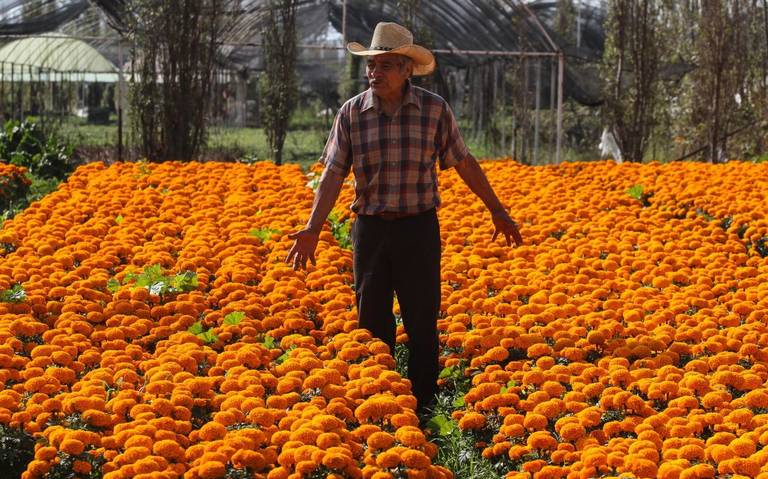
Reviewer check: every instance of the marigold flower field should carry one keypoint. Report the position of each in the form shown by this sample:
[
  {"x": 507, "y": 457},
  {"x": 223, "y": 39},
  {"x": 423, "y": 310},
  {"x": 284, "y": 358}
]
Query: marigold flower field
[{"x": 149, "y": 328}]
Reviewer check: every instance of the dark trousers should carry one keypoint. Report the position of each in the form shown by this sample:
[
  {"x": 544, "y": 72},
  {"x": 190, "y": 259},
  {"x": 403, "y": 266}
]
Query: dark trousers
[{"x": 401, "y": 257}]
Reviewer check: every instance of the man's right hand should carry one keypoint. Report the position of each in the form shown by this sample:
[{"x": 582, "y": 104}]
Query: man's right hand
[{"x": 303, "y": 249}]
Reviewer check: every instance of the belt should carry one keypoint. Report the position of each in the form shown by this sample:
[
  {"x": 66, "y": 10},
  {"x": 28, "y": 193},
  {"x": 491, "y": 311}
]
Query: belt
[{"x": 394, "y": 215}]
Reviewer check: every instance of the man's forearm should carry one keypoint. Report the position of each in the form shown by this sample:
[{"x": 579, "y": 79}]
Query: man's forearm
[
  {"x": 469, "y": 171},
  {"x": 327, "y": 192}
]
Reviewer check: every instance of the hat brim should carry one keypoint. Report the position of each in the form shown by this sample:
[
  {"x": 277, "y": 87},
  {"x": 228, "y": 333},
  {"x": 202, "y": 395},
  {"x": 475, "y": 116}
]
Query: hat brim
[{"x": 423, "y": 60}]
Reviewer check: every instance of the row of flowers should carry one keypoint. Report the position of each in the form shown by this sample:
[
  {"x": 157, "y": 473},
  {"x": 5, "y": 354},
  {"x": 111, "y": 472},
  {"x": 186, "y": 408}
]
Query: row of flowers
[
  {"x": 150, "y": 328},
  {"x": 627, "y": 336}
]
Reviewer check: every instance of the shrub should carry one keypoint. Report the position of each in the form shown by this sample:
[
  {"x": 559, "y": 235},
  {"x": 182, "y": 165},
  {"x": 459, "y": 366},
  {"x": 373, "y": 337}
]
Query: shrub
[{"x": 25, "y": 144}]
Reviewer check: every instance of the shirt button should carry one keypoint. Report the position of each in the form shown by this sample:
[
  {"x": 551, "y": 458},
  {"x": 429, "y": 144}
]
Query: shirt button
[{"x": 393, "y": 141}]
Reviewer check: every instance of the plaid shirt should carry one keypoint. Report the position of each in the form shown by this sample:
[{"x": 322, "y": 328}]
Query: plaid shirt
[{"x": 393, "y": 159}]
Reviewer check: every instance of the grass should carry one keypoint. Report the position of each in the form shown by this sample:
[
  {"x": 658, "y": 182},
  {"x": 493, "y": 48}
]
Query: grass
[{"x": 301, "y": 146}]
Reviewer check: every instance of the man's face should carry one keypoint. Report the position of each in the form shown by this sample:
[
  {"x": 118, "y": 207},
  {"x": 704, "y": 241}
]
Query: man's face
[{"x": 387, "y": 74}]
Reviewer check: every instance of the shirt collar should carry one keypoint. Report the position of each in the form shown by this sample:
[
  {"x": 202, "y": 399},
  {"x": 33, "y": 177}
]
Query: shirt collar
[{"x": 372, "y": 101}]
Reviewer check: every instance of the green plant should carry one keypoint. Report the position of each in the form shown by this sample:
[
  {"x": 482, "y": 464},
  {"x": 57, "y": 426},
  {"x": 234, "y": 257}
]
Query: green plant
[
  {"x": 456, "y": 448},
  {"x": 637, "y": 192},
  {"x": 16, "y": 451},
  {"x": 341, "y": 230},
  {"x": 206, "y": 335},
  {"x": 14, "y": 189},
  {"x": 157, "y": 282},
  {"x": 234, "y": 318},
  {"x": 264, "y": 234},
  {"x": 25, "y": 144},
  {"x": 16, "y": 294}
]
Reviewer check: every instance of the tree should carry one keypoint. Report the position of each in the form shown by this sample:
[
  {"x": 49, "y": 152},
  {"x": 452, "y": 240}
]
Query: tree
[
  {"x": 174, "y": 45},
  {"x": 631, "y": 58},
  {"x": 722, "y": 84},
  {"x": 279, "y": 89}
]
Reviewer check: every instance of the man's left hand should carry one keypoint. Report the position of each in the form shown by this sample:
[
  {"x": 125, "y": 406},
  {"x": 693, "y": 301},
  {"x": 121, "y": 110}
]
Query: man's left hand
[{"x": 507, "y": 226}]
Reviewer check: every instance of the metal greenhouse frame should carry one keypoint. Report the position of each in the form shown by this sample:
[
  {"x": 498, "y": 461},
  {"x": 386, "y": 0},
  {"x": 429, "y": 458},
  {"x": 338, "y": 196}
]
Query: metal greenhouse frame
[{"x": 492, "y": 54}]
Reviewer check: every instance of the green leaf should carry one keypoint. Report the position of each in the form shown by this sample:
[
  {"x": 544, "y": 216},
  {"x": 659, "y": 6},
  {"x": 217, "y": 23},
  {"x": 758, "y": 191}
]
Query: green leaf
[
  {"x": 264, "y": 234},
  {"x": 636, "y": 192},
  {"x": 196, "y": 328},
  {"x": 234, "y": 318},
  {"x": 151, "y": 275},
  {"x": 269, "y": 342},
  {"x": 208, "y": 336},
  {"x": 449, "y": 372},
  {"x": 459, "y": 402},
  {"x": 14, "y": 295},
  {"x": 185, "y": 281},
  {"x": 340, "y": 230},
  {"x": 119, "y": 219},
  {"x": 285, "y": 355},
  {"x": 443, "y": 425},
  {"x": 113, "y": 285}
]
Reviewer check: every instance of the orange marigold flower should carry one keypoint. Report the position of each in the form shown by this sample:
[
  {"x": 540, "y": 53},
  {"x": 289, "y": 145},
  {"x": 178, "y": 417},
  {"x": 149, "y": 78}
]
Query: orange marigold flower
[
  {"x": 72, "y": 447},
  {"x": 388, "y": 459},
  {"x": 212, "y": 431},
  {"x": 541, "y": 440},
  {"x": 572, "y": 432},
  {"x": 169, "y": 449},
  {"x": 415, "y": 459},
  {"x": 472, "y": 420},
  {"x": 380, "y": 440},
  {"x": 211, "y": 470},
  {"x": 410, "y": 436}
]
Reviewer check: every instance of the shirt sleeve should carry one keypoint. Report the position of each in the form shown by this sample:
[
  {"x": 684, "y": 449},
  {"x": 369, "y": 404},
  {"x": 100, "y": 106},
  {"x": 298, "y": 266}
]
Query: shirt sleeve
[
  {"x": 337, "y": 154},
  {"x": 451, "y": 149}
]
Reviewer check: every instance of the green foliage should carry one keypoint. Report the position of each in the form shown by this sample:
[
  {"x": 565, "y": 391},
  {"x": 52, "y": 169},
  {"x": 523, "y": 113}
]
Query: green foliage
[
  {"x": 113, "y": 285},
  {"x": 264, "y": 234},
  {"x": 455, "y": 378},
  {"x": 760, "y": 246},
  {"x": 638, "y": 192},
  {"x": 282, "y": 358},
  {"x": 157, "y": 282},
  {"x": 17, "y": 449},
  {"x": 64, "y": 467},
  {"x": 25, "y": 144},
  {"x": 14, "y": 189},
  {"x": 341, "y": 230},
  {"x": 269, "y": 342},
  {"x": 234, "y": 318},
  {"x": 442, "y": 425},
  {"x": 401, "y": 359},
  {"x": 206, "y": 335},
  {"x": 456, "y": 448},
  {"x": 16, "y": 294}
]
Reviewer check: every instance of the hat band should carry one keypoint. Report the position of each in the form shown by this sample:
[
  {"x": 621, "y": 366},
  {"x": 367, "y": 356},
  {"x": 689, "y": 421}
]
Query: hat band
[{"x": 386, "y": 49}]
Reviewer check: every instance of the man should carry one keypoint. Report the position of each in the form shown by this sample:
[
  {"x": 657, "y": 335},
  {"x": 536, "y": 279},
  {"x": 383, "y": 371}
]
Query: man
[{"x": 391, "y": 136}]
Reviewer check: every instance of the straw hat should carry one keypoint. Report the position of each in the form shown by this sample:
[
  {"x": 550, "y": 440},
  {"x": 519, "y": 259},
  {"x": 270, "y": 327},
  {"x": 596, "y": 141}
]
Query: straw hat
[{"x": 392, "y": 38}]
